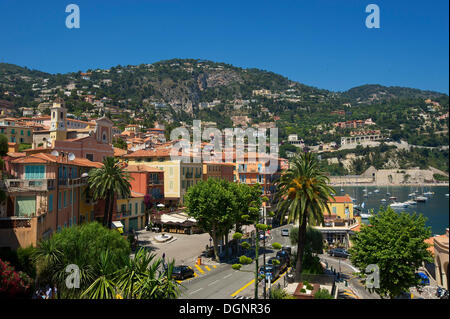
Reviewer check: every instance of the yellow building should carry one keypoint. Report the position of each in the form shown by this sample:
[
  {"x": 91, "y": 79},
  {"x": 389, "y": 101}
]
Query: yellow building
[
  {"x": 131, "y": 212},
  {"x": 340, "y": 223},
  {"x": 341, "y": 207},
  {"x": 178, "y": 176},
  {"x": 17, "y": 134}
]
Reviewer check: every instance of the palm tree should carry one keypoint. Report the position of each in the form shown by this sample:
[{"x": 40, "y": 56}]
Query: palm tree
[
  {"x": 103, "y": 287},
  {"x": 143, "y": 277},
  {"x": 303, "y": 193},
  {"x": 106, "y": 183}
]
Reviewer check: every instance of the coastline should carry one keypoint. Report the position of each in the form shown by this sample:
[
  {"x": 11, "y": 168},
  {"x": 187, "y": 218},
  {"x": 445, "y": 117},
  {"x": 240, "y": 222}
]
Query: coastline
[{"x": 390, "y": 185}]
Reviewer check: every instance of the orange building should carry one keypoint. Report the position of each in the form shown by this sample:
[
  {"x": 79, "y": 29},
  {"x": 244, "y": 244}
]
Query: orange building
[{"x": 44, "y": 196}]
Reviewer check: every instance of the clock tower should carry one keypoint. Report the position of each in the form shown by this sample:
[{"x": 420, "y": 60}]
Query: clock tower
[{"x": 58, "y": 127}]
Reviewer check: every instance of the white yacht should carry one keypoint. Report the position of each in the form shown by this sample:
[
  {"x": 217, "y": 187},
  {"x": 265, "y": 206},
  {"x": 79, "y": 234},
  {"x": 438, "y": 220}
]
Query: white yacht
[
  {"x": 398, "y": 205},
  {"x": 383, "y": 200},
  {"x": 410, "y": 202},
  {"x": 421, "y": 199}
]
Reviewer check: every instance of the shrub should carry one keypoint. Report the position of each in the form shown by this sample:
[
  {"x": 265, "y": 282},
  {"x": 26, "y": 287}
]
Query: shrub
[
  {"x": 237, "y": 236},
  {"x": 276, "y": 246},
  {"x": 261, "y": 226},
  {"x": 278, "y": 293},
  {"x": 245, "y": 260},
  {"x": 236, "y": 266},
  {"x": 322, "y": 294},
  {"x": 245, "y": 245},
  {"x": 13, "y": 284}
]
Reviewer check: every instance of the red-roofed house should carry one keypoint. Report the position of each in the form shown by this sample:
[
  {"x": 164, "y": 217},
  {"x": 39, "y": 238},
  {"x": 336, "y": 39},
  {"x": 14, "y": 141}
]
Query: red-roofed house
[{"x": 45, "y": 194}]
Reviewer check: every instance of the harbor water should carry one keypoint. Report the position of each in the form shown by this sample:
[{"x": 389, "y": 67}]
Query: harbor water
[{"x": 435, "y": 209}]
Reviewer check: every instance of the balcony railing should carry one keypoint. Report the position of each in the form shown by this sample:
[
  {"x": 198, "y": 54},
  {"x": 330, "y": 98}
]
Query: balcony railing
[
  {"x": 80, "y": 181},
  {"x": 154, "y": 182},
  {"x": 15, "y": 222},
  {"x": 189, "y": 175},
  {"x": 24, "y": 185}
]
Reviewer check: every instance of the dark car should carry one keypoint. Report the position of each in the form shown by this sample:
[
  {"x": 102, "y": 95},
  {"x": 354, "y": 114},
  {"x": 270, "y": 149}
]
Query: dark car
[
  {"x": 338, "y": 252},
  {"x": 284, "y": 256},
  {"x": 272, "y": 271},
  {"x": 287, "y": 249},
  {"x": 182, "y": 272}
]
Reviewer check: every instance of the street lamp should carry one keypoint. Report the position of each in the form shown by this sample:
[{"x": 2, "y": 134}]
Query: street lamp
[{"x": 210, "y": 240}]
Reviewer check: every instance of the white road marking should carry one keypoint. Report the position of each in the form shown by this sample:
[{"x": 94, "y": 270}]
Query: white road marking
[
  {"x": 227, "y": 276},
  {"x": 213, "y": 283},
  {"x": 196, "y": 291}
]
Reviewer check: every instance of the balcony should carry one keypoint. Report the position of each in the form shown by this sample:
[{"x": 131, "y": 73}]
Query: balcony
[
  {"x": 154, "y": 182},
  {"x": 15, "y": 222},
  {"x": 339, "y": 222},
  {"x": 189, "y": 175},
  {"x": 26, "y": 185},
  {"x": 73, "y": 182},
  {"x": 199, "y": 175}
]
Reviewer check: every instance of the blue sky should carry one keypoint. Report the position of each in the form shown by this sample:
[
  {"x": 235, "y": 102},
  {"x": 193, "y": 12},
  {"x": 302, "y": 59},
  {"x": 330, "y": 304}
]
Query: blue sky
[{"x": 321, "y": 43}]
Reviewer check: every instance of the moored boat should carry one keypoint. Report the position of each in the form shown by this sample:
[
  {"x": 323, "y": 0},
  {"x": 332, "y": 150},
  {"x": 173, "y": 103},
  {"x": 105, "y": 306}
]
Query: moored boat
[{"x": 421, "y": 199}]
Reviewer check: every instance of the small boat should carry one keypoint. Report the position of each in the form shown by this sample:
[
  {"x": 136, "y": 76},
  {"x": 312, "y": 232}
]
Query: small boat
[
  {"x": 428, "y": 193},
  {"x": 421, "y": 199},
  {"x": 410, "y": 202},
  {"x": 388, "y": 194},
  {"x": 383, "y": 200},
  {"x": 446, "y": 195},
  {"x": 392, "y": 198},
  {"x": 398, "y": 205},
  {"x": 413, "y": 194},
  {"x": 342, "y": 190},
  {"x": 370, "y": 193},
  {"x": 376, "y": 191}
]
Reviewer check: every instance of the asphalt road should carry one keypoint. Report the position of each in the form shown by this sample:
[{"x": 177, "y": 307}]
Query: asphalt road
[{"x": 225, "y": 282}]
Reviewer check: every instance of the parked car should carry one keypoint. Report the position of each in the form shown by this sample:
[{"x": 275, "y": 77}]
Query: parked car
[
  {"x": 272, "y": 271},
  {"x": 287, "y": 249},
  {"x": 182, "y": 272},
  {"x": 424, "y": 280},
  {"x": 285, "y": 256},
  {"x": 285, "y": 232},
  {"x": 338, "y": 252}
]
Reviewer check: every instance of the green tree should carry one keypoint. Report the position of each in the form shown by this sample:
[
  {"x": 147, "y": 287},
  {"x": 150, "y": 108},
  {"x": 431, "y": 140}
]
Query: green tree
[
  {"x": 303, "y": 193},
  {"x": 3, "y": 145},
  {"x": 108, "y": 182},
  {"x": 213, "y": 204},
  {"x": 395, "y": 243},
  {"x": 81, "y": 245}
]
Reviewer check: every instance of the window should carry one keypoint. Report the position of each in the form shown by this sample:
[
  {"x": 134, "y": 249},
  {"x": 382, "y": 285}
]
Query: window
[
  {"x": 70, "y": 197},
  {"x": 34, "y": 172},
  {"x": 334, "y": 209},
  {"x": 29, "y": 133},
  {"x": 21, "y": 132},
  {"x": 65, "y": 199},
  {"x": 50, "y": 203},
  {"x": 90, "y": 157},
  {"x": 59, "y": 200},
  {"x": 135, "y": 208},
  {"x": 130, "y": 207},
  {"x": 171, "y": 185},
  {"x": 123, "y": 208}
]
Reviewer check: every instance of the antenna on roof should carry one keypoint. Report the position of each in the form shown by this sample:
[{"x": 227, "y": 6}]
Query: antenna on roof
[
  {"x": 55, "y": 153},
  {"x": 71, "y": 156}
]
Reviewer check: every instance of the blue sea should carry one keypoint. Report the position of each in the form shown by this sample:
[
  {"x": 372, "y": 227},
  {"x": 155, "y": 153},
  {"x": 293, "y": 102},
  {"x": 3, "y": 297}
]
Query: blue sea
[{"x": 435, "y": 209}]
